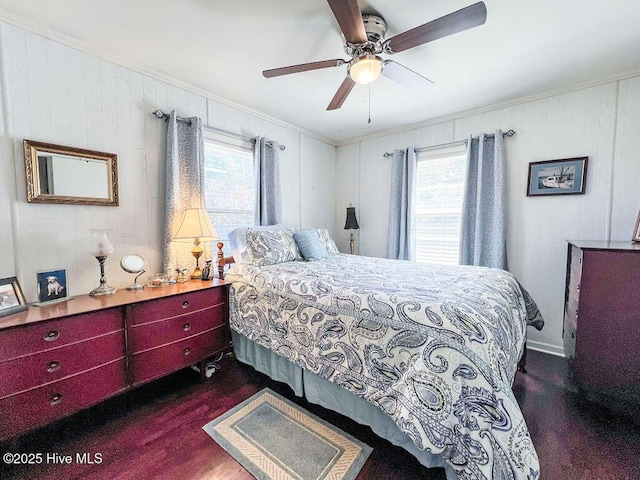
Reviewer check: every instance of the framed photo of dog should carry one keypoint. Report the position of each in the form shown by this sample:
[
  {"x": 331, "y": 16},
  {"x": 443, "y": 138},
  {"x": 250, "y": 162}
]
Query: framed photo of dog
[
  {"x": 11, "y": 297},
  {"x": 52, "y": 286}
]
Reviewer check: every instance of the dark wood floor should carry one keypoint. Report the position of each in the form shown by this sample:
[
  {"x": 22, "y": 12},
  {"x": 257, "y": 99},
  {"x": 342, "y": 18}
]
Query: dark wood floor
[{"x": 156, "y": 431}]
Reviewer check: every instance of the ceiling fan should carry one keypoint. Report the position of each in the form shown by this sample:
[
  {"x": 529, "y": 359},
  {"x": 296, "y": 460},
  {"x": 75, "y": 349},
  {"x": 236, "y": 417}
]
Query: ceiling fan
[{"x": 364, "y": 37}]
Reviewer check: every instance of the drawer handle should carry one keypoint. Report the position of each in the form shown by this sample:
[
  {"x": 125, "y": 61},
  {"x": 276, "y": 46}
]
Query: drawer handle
[
  {"x": 53, "y": 366},
  {"x": 185, "y": 304},
  {"x": 186, "y": 351},
  {"x": 186, "y": 326},
  {"x": 55, "y": 399},
  {"x": 573, "y": 335},
  {"x": 51, "y": 335}
]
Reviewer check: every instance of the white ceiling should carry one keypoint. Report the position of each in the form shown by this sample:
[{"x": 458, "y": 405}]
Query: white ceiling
[{"x": 220, "y": 47}]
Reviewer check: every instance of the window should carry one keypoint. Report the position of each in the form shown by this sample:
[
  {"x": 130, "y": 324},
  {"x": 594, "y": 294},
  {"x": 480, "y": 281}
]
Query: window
[
  {"x": 440, "y": 176},
  {"x": 228, "y": 182}
]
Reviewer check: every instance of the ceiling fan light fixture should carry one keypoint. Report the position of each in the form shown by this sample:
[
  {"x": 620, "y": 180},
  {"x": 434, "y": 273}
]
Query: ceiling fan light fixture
[
  {"x": 364, "y": 38},
  {"x": 365, "y": 69}
]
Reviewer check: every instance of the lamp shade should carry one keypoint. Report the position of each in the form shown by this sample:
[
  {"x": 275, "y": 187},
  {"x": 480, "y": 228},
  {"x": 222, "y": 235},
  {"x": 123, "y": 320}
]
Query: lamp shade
[
  {"x": 365, "y": 69},
  {"x": 352, "y": 222},
  {"x": 195, "y": 224},
  {"x": 100, "y": 245}
]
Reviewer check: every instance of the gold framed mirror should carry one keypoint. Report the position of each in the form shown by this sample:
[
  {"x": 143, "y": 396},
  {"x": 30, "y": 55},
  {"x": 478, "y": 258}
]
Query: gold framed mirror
[{"x": 69, "y": 175}]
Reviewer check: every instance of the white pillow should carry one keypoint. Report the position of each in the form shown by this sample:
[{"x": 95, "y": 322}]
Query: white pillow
[
  {"x": 238, "y": 241},
  {"x": 327, "y": 241}
]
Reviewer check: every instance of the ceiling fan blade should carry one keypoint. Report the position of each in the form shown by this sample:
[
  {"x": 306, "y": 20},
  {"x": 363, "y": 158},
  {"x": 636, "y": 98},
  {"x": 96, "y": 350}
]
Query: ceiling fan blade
[
  {"x": 455, "y": 22},
  {"x": 303, "y": 67},
  {"x": 342, "y": 93},
  {"x": 405, "y": 76},
  {"x": 347, "y": 13}
]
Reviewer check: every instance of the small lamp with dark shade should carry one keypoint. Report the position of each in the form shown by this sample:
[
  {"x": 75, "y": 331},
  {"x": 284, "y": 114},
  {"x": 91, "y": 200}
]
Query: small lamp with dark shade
[
  {"x": 351, "y": 224},
  {"x": 196, "y": 226}
]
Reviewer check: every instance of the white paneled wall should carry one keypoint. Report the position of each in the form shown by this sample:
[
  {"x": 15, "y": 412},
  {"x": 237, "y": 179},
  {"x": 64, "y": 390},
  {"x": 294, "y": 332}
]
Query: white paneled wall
[
  {"x": 7, "y": 187},
  {"x": 317, "y": 180},
  {"x": 347, "y": 193},
  {"x": 60, "y": 95},
  {"x": 625, "y": 199},
  {"x": 601, "y": 122}
]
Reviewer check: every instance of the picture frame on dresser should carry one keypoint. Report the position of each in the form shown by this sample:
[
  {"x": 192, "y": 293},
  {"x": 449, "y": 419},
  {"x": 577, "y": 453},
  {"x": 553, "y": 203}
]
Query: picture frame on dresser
[
  {"x": 11, "y": 297},
  {"x": 566, "y": 176},
  {"x": 52, "y": 286},
  {"x": 636, "y": 231}
]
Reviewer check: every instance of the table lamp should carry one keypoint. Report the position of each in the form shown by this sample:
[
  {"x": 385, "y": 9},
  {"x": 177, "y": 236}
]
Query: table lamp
[
  {"x": 196, "y": 226},
  {"x": 101, "y": 247},
  {"x": 351, "y": 224}
]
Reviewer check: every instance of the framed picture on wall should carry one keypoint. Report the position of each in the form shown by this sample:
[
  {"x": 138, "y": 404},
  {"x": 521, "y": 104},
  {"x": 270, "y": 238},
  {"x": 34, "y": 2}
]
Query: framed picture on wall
[
  {"x": 52, "y": 286},
  {"x": 636, "y": 231},
  {"x": 567, "y": 176},
  {"x": 11, "y": 297}
]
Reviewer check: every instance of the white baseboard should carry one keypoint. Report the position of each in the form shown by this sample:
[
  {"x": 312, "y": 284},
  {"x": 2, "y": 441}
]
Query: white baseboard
[{"x": 545, "y": 348}]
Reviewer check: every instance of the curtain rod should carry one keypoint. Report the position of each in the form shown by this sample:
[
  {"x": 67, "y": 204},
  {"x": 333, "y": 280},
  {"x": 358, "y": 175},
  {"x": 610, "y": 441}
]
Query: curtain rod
[
  {"x": 159, "y": 114},
  {"x": 508, "y": 133}
]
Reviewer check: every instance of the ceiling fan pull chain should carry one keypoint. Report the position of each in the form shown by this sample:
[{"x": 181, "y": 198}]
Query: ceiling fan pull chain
[{"x": 369, "y": 104}]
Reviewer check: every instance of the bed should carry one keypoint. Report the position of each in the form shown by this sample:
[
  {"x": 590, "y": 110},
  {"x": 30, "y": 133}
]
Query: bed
[{"x": 423, "y": 354}]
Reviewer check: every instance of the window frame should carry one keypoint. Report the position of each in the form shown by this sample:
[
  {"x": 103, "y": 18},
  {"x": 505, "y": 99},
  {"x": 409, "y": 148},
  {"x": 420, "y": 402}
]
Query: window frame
[
  {"x": 452, "y": 152},
  {"x": 230, "y": 142}
]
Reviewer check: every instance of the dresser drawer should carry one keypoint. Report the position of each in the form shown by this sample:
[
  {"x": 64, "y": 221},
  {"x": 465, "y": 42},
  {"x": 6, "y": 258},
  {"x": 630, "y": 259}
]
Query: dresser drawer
[
  {"x": 41, "y": 336},
  {"x": 574, "y": 285},
  {"x": 151, "y": 335},
  {"x": 45, "y": 367},
  {"x": 44, "y": 404},
  {"x": 569, "y": 337},
  {"x": 176, "y": 305},
  {"x": 160, "y": 361},
  {"x": 576, "y": 259},
  {"x": 572, "y": 308}
]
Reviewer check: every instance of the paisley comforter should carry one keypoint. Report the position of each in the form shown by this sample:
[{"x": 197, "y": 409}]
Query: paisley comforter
[{"x": 436, "y": 348}]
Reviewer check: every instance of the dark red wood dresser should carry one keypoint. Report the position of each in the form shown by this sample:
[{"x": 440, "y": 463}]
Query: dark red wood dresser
[
  {"x": 58, "y": 359},
  {"x": 602, "y": 321}
]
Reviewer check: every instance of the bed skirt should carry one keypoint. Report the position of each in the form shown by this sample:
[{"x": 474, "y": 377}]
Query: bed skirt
[{"x": 329, "y": 395}]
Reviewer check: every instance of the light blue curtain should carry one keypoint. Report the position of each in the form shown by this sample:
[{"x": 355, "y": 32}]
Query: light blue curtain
[
  {"x": 401, "y": 243},
  {"x": 266, "y": 170},
  {"x": 483, "y": 239},
  {"x": 185, "y": 185}
]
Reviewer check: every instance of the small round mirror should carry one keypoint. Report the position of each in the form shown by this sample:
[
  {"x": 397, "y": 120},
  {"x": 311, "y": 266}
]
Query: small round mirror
[{"x": 133, "y": 263}]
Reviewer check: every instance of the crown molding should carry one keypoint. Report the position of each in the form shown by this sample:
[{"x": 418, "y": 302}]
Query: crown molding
[
  {"x": 498, "y": 106},
  {"x": 78, "y": 44},
  {"x": 82, "y": 46}
]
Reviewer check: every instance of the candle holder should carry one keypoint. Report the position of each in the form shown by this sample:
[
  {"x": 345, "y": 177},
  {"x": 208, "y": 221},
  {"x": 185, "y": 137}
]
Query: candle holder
[{"x": 101, "y": 248}]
